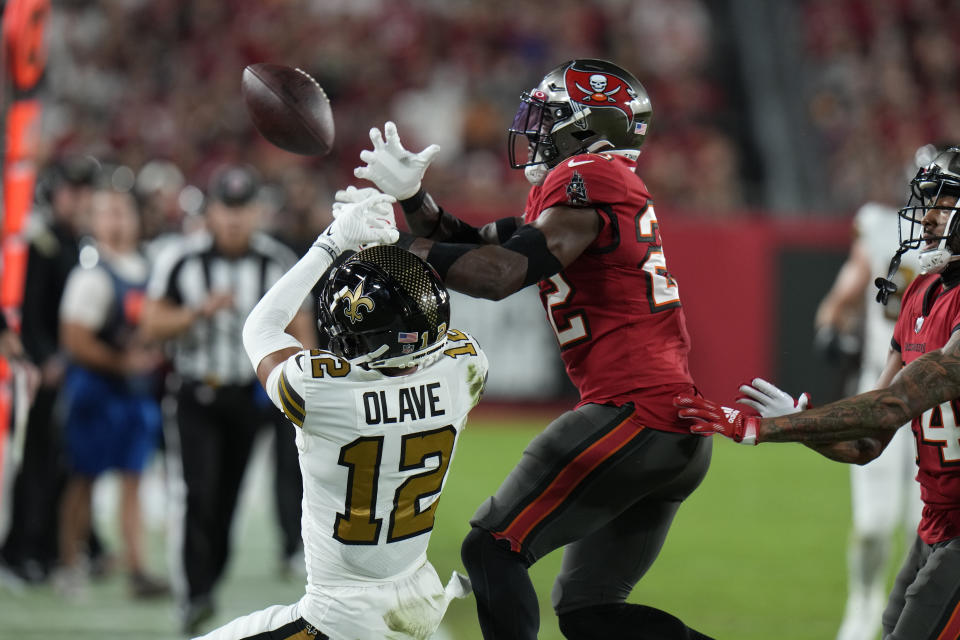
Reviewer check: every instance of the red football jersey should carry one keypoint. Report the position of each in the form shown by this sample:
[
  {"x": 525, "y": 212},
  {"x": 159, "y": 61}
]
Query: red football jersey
[
  {"x": 616, "y": 309},
  {"x": 937, "y": 430}
]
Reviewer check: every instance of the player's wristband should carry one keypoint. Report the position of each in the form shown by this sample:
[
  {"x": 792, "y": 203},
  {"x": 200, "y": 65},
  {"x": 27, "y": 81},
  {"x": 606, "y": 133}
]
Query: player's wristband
[
  {"x": 405, "y": 240},
  {"x": 462, "y": 233},
  {"x": 751, "y": 425},
  {"x": 414, "y": 202}
]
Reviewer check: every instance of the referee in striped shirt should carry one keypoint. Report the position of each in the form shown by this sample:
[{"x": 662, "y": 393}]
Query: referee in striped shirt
[{"x": 199, "y": 295}]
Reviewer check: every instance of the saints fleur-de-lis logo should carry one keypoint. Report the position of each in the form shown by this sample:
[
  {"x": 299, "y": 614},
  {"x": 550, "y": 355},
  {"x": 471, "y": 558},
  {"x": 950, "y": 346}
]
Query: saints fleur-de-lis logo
[{"x": 355, "y": 300}]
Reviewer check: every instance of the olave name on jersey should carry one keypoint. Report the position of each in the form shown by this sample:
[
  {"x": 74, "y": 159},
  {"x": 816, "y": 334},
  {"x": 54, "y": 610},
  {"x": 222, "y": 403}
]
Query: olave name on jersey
[{"x": 409, "y": 403}]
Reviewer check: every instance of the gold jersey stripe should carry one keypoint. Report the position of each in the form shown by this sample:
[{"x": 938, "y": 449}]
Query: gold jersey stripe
[
  {"x": 290, "y": 393},
  {"x": 291, "y": 401}
]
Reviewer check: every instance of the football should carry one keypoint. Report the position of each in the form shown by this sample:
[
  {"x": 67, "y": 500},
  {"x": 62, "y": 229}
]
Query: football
[{"x": 289, "y": 108}]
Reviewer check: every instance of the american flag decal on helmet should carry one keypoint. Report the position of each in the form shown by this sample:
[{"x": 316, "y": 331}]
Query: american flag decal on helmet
[
  {"x": 407, "y": 338},
  {"x": 640, "y": 128}
]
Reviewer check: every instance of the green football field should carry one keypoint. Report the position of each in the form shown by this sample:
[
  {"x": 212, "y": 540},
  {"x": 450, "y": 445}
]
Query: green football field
[{"x": 756, "y": 553}]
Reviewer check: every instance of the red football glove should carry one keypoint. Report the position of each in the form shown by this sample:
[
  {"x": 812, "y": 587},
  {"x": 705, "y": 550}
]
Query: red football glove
[{"x": 709, "y": 418}]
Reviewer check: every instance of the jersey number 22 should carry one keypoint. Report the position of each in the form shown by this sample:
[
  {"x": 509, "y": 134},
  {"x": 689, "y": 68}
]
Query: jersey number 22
[{"x": 572, "y": 326}]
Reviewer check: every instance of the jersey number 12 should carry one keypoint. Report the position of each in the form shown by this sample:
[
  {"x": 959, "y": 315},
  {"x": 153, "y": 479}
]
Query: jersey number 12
[{"x": 362, "y": 457}]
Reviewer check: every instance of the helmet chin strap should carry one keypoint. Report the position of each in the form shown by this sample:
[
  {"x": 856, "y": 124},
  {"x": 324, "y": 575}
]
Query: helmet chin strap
[
  {"x": 599, "y": 146},
  {"x": 373, "y": 355},
  {"x": 536, "y": 173},
  {"x": 629, "y": 154},
  {"x": 886, "y": 285},
  {"x": 423, "y": 357},
  {"x": 936, "y": 260},
  {"x": 931, "y": 261}
]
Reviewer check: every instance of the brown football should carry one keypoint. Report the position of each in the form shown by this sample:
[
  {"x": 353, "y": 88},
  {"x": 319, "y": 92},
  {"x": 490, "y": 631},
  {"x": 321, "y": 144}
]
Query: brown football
[{"x": 289, "y": 108}]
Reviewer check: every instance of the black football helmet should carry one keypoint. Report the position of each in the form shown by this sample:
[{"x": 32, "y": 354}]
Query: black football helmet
[
  {"x": 387, "y": 306},
  {"x": 936, "y": 179},
  {"x": 579, "y": 107}
]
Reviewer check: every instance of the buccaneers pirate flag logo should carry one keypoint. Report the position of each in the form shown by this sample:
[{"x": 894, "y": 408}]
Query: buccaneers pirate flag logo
[
  {"x": 598, "y": 89},
  {"x": 577, "y": 189}
]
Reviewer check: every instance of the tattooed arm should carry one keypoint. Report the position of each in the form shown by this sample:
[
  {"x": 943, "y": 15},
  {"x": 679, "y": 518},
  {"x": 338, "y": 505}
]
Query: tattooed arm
[
  {"x": 863, "y": 450},
  {"x": 859, "y": 451},
  {"x": 924, "y": 383}
]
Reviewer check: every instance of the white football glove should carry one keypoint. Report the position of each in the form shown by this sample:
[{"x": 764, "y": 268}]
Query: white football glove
[
  {"x": 352, "y": 195},
  {"x": 362, "y": 217},
  {"x": 392, "y": 168},
  {"x": 771, "y": 401}
]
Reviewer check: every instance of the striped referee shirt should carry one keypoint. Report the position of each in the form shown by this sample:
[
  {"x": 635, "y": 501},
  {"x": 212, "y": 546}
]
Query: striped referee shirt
[{"x": 186, "y": 273}]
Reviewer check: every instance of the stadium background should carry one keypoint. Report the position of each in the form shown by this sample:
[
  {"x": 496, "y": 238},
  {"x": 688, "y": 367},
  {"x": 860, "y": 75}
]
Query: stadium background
[{"x": 772, "y": 123}]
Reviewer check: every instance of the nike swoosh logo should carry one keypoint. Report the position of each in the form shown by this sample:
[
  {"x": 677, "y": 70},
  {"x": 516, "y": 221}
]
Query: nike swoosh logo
[{"x": 574, "y": 163}]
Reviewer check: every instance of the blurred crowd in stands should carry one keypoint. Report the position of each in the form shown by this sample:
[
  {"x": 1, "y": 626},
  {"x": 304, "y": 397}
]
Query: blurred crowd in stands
[
  {"x": 883, "y": 82},
  {"x": 150, "y": 89},
  {"x": 160, "y": 79},
  {"x": 142, "y": 80}
]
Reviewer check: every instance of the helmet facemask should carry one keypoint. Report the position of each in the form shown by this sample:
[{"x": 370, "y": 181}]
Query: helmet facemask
[
  {"x": 529, "y": 135},
  {"x": 927, "y": 191}
]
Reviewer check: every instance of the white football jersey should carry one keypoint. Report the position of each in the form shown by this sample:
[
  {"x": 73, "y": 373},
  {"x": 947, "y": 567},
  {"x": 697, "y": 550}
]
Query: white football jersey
[
  {"x": 876, "y": 226},
  {"x": 375, "y": 451}
]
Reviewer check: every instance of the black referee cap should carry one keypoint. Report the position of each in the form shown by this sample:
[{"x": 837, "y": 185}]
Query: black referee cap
[
  {"x": 234, "y": 185},
  {"x": 73, "y": 171},
  {"x": 79, "y": 170}
]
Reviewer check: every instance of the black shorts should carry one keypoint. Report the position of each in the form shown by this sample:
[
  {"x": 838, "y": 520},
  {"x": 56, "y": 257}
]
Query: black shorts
[{"x": 604, "y": 489}]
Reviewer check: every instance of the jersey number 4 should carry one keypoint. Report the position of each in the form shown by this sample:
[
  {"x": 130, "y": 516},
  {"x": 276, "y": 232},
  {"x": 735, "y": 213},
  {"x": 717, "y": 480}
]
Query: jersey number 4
[
  {"x": 940, "y": 430},
  {"x": 362, "y": 457}
]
